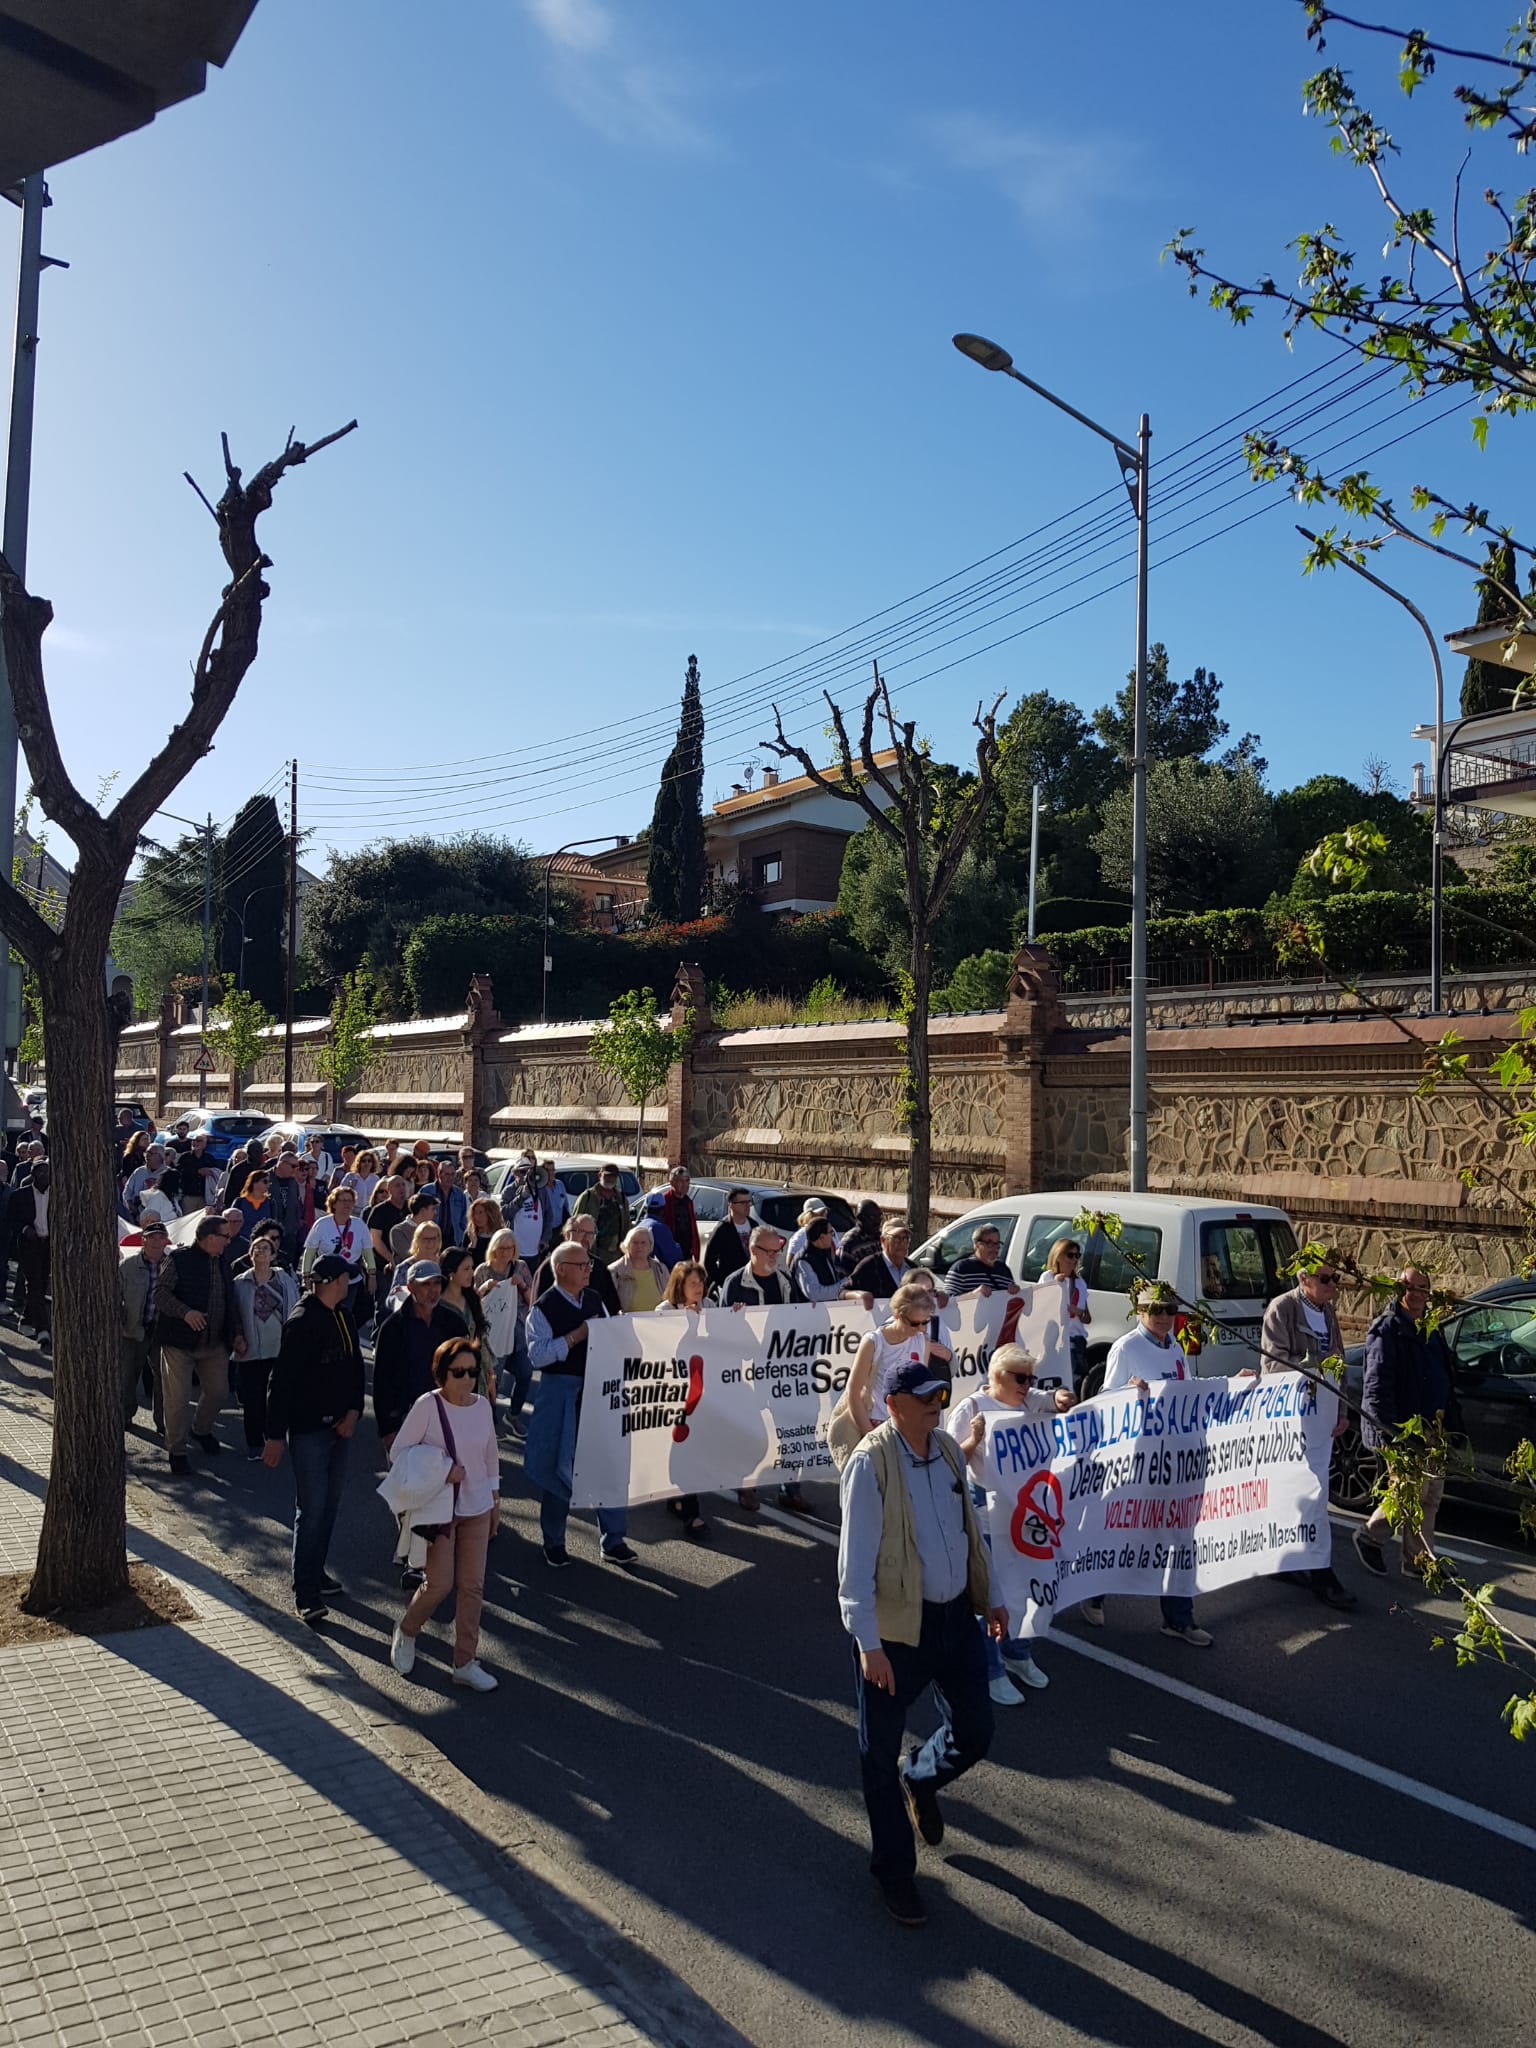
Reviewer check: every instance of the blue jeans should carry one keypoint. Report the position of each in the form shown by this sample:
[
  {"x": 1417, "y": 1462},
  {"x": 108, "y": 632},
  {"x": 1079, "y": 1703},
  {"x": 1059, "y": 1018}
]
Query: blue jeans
[
  {"x": 514, "y": 1375},
  {"x": 549, "y": 1457},
  {"x": 319, "y": 1475}
]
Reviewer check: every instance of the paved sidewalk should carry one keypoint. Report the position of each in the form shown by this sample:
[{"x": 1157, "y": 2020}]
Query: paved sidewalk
[{"x": 203, "y": 1840}]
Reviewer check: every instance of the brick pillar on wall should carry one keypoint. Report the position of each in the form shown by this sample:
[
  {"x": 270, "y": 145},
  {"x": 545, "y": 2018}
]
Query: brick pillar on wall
[
  {"x": 690, "y": 1005},
  {"x": 1034, "y": 1012},
  {"x": 481, "y": 1025}
]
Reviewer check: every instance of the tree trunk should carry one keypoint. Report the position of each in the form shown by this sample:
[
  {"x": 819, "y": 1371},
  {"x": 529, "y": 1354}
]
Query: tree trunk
[
  {"x": 640, "y": 1140},
  {"x": 82, "y": 1558},
  {"x": 920, "y": 1125}
]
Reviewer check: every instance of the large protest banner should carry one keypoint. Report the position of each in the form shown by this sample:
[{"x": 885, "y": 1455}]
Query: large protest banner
[
  {"x": 725, "y": 1398},
  {"x": 1194, "y": 1485}
]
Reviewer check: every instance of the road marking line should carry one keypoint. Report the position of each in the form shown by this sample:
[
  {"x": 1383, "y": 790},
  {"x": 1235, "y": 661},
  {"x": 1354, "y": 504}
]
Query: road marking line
[
  {"x": 1277, "y": 1731},
  {"x": 1310, "y": 1745}
]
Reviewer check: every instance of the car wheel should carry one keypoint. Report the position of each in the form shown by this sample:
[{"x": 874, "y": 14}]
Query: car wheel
[
  {"x": 1093, "y": 1378},
  {"x": 1353, "y": 1473}
]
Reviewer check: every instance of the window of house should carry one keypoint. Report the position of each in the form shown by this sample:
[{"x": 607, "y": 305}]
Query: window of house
[
  {"x": 769, "y": 868},
  {"x": 602, "y": 904}
]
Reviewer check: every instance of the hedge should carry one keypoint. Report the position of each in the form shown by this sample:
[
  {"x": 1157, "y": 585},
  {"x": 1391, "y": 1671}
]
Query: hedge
[
  {"x": 1374, "y": 931},
  {"x": 770, "y": 955}
]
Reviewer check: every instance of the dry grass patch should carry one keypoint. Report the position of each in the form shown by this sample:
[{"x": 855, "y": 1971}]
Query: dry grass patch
[{"x": 150, "y": 1601}]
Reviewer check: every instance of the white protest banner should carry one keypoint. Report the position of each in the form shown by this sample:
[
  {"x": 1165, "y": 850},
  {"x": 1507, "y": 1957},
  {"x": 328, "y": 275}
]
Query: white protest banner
[
  {"x": 972, "y": 1326},
  {"x": 725, "y": 1398},
  {"x": 699, "y": 1403},
  {"x": 1194, "y": 1485}
]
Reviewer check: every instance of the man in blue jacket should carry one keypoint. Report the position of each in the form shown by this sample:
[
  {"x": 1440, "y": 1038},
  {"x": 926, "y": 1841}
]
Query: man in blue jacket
[{"x": 1406, "y": 1374}]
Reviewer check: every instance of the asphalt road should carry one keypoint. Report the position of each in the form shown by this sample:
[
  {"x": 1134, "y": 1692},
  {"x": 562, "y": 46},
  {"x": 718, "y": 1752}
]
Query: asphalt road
[{"x": 1137, "y": 1862}]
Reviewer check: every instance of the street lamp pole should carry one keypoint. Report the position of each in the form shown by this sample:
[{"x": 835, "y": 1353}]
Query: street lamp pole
[
  {"x": 1436, "y": 858},
  {"x": 259, "y": 890},
  {"x": 1135, "y": 470},
  {"x": 570, "y": 846}
]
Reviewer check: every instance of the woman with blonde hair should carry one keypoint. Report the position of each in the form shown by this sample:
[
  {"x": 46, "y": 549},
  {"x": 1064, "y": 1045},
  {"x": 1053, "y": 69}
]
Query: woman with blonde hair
[
  {"x": 903, "y": 1339},
  {"x": 363, "y": 1178},
  {"x": 639, "y": 1277},
  {"x": 1062, "y": 1262}
]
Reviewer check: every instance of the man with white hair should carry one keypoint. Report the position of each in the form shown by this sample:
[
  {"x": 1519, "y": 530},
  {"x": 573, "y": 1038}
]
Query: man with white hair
[{"x": 558, "y": 1327}]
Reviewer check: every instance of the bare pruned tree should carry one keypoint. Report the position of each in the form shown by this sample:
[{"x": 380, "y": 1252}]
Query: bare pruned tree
[
  {"x": 1376, "y": 772},
  {"x": 82, "y": 1552},
  {"x": 933, "y": 822}
]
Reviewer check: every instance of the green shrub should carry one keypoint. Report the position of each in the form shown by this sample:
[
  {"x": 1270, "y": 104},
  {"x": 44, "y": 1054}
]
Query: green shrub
[{"x": 980, "y": 982}]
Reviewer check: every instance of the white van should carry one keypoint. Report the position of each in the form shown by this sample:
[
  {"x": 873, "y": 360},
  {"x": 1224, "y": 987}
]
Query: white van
[{"x": 1225, "y": 1255}]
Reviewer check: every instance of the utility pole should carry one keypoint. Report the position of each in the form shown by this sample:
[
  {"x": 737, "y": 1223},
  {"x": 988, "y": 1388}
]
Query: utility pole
[
  {"x": 202, "y": 1074},
  {"x": 32, "y": 195},
  {"x": 293, "y": 937},
  {"x": 1034, "y": 856}
]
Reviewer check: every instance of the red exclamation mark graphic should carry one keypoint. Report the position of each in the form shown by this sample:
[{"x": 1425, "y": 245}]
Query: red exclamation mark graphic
[
  {"x": 1011, "y": 1314},
  {"x": 695, "y": 1391}
]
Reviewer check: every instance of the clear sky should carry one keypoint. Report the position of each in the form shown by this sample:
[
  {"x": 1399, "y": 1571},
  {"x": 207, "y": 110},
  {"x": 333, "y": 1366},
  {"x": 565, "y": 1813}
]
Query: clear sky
[{"x": 644, "y": 307}]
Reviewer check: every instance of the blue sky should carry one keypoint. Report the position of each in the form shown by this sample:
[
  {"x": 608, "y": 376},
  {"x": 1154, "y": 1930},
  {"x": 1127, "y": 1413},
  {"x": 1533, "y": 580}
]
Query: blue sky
[{"x": 645, "y": 312}]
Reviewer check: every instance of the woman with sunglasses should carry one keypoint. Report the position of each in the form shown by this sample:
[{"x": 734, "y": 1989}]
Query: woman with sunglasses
[
  {"x": 1065, "y": 1262},
  {"x": 1151, "y": 1352},
  {"x": 1010, "y": 1390},
  {"x": 1301, "y": 1329},
  {"x": 903, "y": 1339},
  {"x": 687, "y": 1289},
  {"x": 458, "y": 1421}
]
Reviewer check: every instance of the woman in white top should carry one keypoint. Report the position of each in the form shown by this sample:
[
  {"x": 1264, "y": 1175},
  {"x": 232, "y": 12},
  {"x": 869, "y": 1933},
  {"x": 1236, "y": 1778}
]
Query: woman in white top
[
  {"x": 363, "y": 1179},
  {"x": 902, "y": 1340},
  {"x": 1150, "y": 1352},
  {"x": 1010, "y": 1390},
  {"x": 347, "y": 1237},
  {"x": 1065, "y": 1262},
  {"x": 460, "y": 1422}
]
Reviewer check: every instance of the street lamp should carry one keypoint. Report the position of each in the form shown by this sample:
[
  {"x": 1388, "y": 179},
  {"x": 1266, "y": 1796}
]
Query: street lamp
[
  {"x": 206, "y": 834},
  {"x": 1436, "y": 936},
  {"x": 1135, "y": 470},
  {"x": 259, "y": 890},
  {"x": 570, "y": 846}
]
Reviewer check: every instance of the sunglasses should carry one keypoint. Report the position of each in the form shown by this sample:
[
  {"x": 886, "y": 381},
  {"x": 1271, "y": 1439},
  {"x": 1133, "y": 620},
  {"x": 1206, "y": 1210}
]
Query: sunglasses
[
  {"x": 1022, "y": 1379},
  {"x": 1161, "y": 1309},
  {"x": 460, "y": 1372},
  {"x": 1326, "y": 1279},
  {"x": 939, "y": 1398}
]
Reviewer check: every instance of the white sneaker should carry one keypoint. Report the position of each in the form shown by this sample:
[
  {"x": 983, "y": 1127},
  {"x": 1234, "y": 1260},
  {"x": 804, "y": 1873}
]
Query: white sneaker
[
  {"x": 402, "y": 1652},
  {"x": 1197, "y": 1638},
  {"x": 1024, "y": 1668},
  {"x": 1092, "y": 1612},
  {"x": 474, "y": 1675},
  {"x": 1004, "y": 1693}
]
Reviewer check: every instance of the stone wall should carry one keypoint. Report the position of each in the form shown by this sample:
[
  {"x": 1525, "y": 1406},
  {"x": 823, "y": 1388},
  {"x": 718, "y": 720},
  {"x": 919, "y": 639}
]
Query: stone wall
[{"x": 1323, "y": 1118}]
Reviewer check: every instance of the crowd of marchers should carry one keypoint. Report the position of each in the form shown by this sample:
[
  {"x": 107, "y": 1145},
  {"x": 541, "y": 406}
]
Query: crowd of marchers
[{"x": 309, "y": 1287}]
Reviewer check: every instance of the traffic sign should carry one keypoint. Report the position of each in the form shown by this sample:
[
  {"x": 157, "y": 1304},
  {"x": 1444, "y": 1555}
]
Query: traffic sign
[{"x": 203, "y": 1064}]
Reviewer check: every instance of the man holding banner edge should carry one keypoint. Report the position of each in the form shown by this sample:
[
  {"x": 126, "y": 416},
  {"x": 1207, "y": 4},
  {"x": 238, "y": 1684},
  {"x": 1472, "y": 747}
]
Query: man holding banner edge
[{"x": 912, "y": 1572}]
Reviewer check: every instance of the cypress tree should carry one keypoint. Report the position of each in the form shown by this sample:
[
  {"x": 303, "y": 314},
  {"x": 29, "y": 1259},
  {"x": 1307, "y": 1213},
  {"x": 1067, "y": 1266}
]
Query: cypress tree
[
  {"x": 1489, "y": 685},
  {"x": 677, "y": 872}
]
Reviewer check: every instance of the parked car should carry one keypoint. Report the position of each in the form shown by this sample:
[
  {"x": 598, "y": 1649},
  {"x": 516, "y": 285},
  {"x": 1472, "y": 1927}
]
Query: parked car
[
  {"x": 775, "y": 1202},
  {"x": 1227, "y": 1256},
  {"x": 576, "y": 1170},
  {"x": 225, "y": 1129},
  {"x": 136, "y": 1110},
  {"x": 1492, "y": 1342}
]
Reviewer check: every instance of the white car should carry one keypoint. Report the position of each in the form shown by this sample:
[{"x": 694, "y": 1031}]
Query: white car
[{"x": 1227, "y": 1256}]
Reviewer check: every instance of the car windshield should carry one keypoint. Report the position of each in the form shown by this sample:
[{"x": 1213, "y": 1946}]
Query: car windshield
[
  {"x": 783, "y": 1211},
  {"x": 238, "y": 1126},
  {"x": 1243, "y": 1258},
  {"x": 1497, "y": 1337}
]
